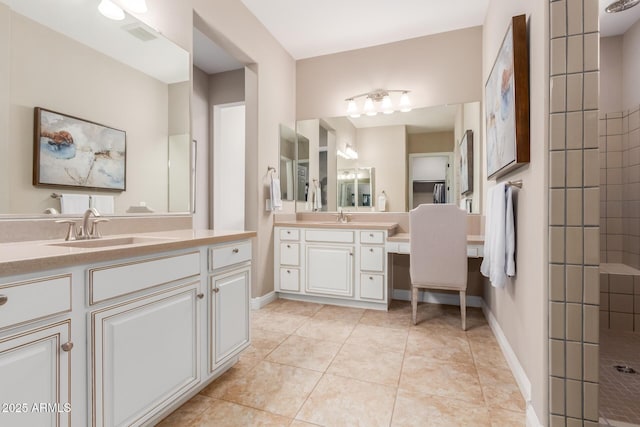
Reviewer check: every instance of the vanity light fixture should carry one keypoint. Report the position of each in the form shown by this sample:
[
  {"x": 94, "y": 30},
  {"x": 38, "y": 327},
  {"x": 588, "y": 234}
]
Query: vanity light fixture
[
  {"x": 111, "y": 10},
  {"x": 349, "y": 153},
  {"x": 621, "y": 5},
  {"x": 378, "y": 101}
]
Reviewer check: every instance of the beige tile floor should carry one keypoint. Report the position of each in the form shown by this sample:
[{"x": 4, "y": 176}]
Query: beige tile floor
[{"x": 321, "y": 365}]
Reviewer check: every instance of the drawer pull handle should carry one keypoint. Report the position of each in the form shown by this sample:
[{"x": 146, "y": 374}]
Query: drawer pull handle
[
  {"x": 67, "y": 346},
  {"x": 200, "y": 296},
  {"x": 216, "y": 290},
  {"x": 235, "y": 250},
  {"x": 3, "y": 299}
]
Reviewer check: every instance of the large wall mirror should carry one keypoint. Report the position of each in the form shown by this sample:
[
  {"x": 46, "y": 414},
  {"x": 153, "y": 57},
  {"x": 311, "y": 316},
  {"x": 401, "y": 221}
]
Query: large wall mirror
[
  {"x": 407, "y": 158},
  {"x": 66, "y": 57}
]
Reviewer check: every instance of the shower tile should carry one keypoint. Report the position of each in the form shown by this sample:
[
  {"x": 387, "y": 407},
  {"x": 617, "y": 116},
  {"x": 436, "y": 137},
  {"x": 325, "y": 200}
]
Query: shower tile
[
  {"x": 574, "y": 14},
  {"x": 557, "y": 124},
  {"x": 556, "y": 396},
  {"x": 614, "y": 160},
  {"x": 621, "y": 321},
  {"x": 574, "y": 360},
  {"x": 558, "y": 421},
  {"x": 591, "y": 165},
  {"x": 556, "y": 207},
  {"x": 614, "y": 126},
  {"x": 558, "y": 94},
  {"x": 558, "y": 19},
  {"x": 574, "y": 283},
  {"x": 616, "y": 115},
  {"x": 590, "y": 401},
  {"x": 558, "y": 56},
  {"x": 604, "y": 319},
  {"x": 592, "y": 246},
  {"x": 590, "y": 362},
  {"x": 636, "y": 304},
  {"x": 634, "y": 120},
  {"x": 557, "y": 176},
  {"x": 556, "y": 320},
  {"x": 574, "y": 54},
  {"x": 574, "y": 92},
  {"x": 574, "y": 399},
  {"x": 604, "y": 301},
  {"x": 620, "y": 303},
  {"x": 574, "y": 248},
  {"x": 574, "y": 206},
  {"x": 590, "y": 129},
  {"x": 614, "y": 225},
  {"x": 574, "y": 322},
  {"x": 591, "y": 89},
  {"x": 591, "y": 52},
  {"x": 591, "y": 19},
  {"x": 637, "y": 322},
  {"x": 591, "y": 315},
  {"x": 614, "y": 243},
  {"x": 574, "y": 130},
  {"x": 604, "y": 282},
  {"x": 602, "y": 125},
  {"x": 614, "y": 193},
  {"x": 574, "y": 168},
  {"x": 636, "y": 285},
  {"x": 634, "y": 139},
  {"x": 614, "y": 209},
  {"x": 556, "y": 244},
  {"x": 614, "y": 143},
  {"x": 621, "y": 283},
  {"x": 614, "y": 176},
  {"x": 556, "y": 282},
  {"x": 591, "y": 206},
  {"x": 557, "y": 358},
  {"x": 591, "y": 292}
]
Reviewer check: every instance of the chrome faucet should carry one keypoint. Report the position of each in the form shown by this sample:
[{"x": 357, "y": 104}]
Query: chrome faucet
[
  {"x": 342, "y": 217},
  {"x": 84, "y": 232}
]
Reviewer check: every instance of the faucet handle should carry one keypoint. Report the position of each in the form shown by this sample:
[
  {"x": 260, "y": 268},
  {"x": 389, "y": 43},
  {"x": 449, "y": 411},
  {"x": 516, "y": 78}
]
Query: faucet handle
[
  {"x": 71, "y": 231},
  {"x": 94, "y": 227}
]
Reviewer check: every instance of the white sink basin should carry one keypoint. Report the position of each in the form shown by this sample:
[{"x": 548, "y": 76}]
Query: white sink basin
[{"x": 107, "y": 242}]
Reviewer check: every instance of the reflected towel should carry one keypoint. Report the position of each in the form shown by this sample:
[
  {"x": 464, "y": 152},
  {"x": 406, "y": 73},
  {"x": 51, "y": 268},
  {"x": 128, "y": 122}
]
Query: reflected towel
[
  {"x": 74, "y": 203},
  {"x": 499, "y": 239},
  {"x": 276, "y": 198},
  {"x": 104, "y": 204},
  {"x": 317, "y": 198}
]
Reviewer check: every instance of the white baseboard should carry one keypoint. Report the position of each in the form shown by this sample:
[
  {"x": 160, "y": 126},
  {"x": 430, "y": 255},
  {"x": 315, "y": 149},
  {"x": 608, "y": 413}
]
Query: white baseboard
[
  {"x": 438, "y": 298},
  {"x": 516, "y": 368},
  {"x": 259, "y": 302}
]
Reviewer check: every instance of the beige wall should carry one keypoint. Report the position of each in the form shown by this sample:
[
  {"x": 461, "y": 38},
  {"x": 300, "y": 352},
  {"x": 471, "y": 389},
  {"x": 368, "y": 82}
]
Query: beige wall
[
  {"x": 200, "y": 133},
  {"x": 35, "y": 81},
  {"x": 611, "y": 74},
  {"x": 520, "y": 308},
  {"x": 5, "y": 49},
  {"x": 434, "y": 142},
  {"x": 631, "y": 69},
  {"x": 438, "y": 69}
]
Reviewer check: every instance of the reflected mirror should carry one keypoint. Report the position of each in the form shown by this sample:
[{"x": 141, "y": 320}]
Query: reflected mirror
[
  {"x": 401, "y": 159},
  {"x": 67, "y": 57},
  {"x": 287, "y": 162}
]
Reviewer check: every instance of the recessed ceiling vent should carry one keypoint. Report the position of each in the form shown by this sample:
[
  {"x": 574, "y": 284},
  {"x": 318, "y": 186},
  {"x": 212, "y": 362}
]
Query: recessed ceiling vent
[{"x": 140, "y": 32}]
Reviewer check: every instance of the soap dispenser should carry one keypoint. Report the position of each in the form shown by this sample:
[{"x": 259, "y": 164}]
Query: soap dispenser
[{"x": 382, "y": 201}]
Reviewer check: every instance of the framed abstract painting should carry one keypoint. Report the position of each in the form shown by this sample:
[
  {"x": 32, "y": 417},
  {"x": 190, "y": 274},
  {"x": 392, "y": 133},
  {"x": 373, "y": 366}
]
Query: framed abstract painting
[
  {"x": 507, "y": 103},
  {"x": 73, "y": 152}
]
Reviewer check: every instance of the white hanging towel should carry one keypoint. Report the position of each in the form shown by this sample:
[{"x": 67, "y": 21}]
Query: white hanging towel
[
  {"x": 74, "y": 203},
  {"x": 317, "y": 197},
  {"x": 104, "y": 204},
  {"x": 499, "y": 239},
  {"x": 276, "y": 198}
]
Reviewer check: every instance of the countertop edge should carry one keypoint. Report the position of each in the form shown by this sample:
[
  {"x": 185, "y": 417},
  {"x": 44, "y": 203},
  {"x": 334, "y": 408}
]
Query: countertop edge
[{"x": 390, "y": 226}]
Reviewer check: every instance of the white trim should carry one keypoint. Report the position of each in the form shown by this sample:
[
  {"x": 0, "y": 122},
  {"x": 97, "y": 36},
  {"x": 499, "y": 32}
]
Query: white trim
[
  {"x": 333, "y": 301},
  {"x": 438, "y": 298},
  {"x": 516, "y": 368},
  {"x": 259, "y": 302}
]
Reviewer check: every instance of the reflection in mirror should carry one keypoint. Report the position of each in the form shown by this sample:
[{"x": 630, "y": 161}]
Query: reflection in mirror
[
  {"x": 355, "y": 188},
  {"x": 388, "y": 145},
  {"x": 302, "y": 169},
  {"x": 66, "y": 57},
  {"x": 287, "y": 162}
]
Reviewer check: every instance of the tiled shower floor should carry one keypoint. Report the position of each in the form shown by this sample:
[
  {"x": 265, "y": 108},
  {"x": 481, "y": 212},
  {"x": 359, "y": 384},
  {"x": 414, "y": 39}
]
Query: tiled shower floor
[{"x": 619, "y": 392}]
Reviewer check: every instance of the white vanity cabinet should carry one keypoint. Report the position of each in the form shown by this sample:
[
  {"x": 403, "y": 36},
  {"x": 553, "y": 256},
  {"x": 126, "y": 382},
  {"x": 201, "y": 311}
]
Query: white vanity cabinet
[
  {"x": 35, "y": 351},
  {"x": 229, "y": 295},
  {"x": 332, "y": 264}
]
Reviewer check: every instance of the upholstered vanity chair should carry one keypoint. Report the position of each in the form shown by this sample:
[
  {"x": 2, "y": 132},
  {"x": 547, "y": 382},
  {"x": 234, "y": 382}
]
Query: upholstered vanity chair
[{"x": 438, "y": 254}]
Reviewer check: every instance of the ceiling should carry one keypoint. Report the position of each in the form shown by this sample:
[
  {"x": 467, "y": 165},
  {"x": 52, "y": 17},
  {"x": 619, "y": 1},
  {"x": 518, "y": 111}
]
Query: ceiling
[
  {"x": 614, "y": 24},
  {"x": 210, "y": 57}
]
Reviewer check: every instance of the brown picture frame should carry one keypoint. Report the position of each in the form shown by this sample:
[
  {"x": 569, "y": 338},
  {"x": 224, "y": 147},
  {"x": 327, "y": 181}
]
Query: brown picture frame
[
  {"x": 507, "y": 103},
  {"x": 71, "y": 152},
  {"x": 466, "y": 163}
]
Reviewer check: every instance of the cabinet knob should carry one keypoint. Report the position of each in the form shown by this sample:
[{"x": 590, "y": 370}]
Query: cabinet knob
[
  {"x": 370, "y": 234},
  {"x": 67, "y": 346},
  {"x": 3, "y": 299},
  {"x": 288, "y": 271},
  {"x": 370, "y": 277},
  {"x": 288, "y": 232},
  {"x": 216, "y": 290},
  {"x": 235, "y": 250},
  {"x": 289, "y": 246},
  {"x": 371, "y": 250},
  {"x": 200, "y": 296}
]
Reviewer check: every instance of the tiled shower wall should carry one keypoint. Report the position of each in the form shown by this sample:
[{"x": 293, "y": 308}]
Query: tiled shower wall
[
  {"x": 620, "y": 302},
  {"x": 620, "y": 187},
  {"x": 574, "y": 216}
]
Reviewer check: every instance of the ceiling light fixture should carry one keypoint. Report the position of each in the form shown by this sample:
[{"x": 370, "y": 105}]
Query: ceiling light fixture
[
  {"x": 620, "y": 5},
  {"x": 378, "y": 101},
  {"x": 111, "y": 10},
  {"x": 136, "y": 6}
]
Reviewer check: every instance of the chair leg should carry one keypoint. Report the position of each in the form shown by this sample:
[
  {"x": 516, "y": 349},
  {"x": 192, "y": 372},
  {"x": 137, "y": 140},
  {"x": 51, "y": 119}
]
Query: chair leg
[
  {"x": 463, "y": 309},
  {"x": 414, "y": 304}
]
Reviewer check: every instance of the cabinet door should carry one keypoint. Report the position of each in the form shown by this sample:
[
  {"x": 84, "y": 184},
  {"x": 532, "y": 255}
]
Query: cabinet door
[
  {"x": 330, "y": 270},
  {"x": 230, "y": 294},
  {"x": 145, "y": 355},
  {"x": 35, "y": 370}
]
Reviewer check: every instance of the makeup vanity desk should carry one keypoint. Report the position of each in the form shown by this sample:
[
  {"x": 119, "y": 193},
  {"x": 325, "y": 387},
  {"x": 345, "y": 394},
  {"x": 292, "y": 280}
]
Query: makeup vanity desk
[{"x": 399, "y": 244}]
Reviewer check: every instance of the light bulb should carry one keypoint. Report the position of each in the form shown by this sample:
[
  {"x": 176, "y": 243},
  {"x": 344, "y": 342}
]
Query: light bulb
[
  {"x": 369, "y": 108},
  {"x": 111, "y": 10},
  {"x": 405, "y": 104},
  {"x": 352, "y": 109},
  {"x": 352, "y": 153},
  {"x": 387, "y": 106},
  {"x": 136, "y": 6}
]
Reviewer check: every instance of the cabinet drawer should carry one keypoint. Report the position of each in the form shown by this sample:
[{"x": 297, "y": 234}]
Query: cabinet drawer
[
  {"x": 375, "y": 237},
  {"x": 121, "y": 279},
  {"x": 289, "y": 253},
  {"x": 224, "y": 256},
  {"x": 290, "y": 279},
  {"x": 372, "y": 258},
  {"x": 34, "y": 299},
  {"x": 332, "y": 236},
  {"x": 372, "y": 286},
  {"x": 290, "y": 234}
]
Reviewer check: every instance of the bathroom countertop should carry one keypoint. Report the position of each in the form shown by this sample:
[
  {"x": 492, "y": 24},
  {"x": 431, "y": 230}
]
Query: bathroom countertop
[
  {"x": 25, "y": 257},
  {"x": 472, "y": 239},
  {"x": 390, "y": 226}
]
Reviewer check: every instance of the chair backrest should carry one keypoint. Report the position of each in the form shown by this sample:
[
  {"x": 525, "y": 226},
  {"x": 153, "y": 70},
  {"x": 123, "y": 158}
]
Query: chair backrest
[{"x": 438, "y": 254}]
